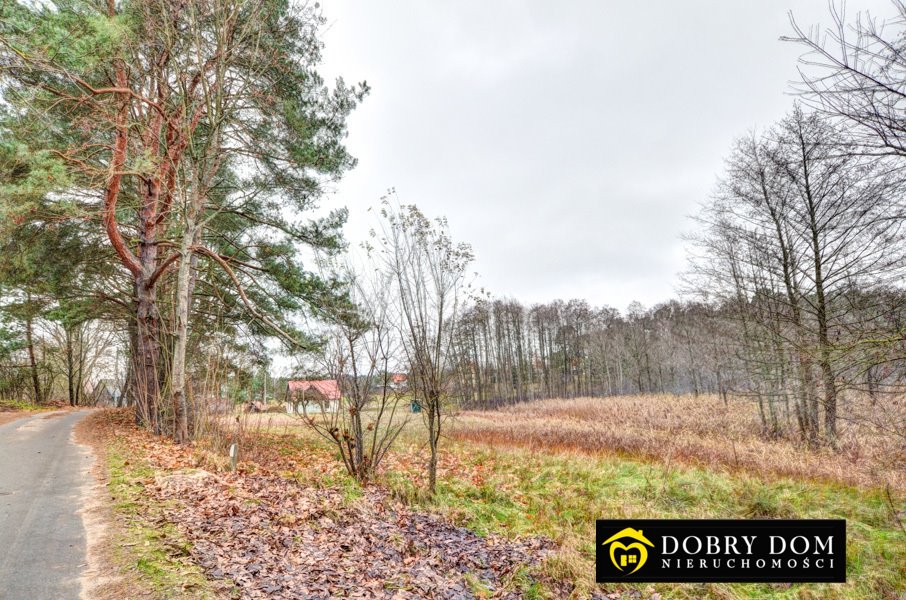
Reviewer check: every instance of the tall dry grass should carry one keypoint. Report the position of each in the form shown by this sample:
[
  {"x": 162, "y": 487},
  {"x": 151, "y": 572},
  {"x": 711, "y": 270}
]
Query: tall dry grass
[{"x": 703, "y": 431}]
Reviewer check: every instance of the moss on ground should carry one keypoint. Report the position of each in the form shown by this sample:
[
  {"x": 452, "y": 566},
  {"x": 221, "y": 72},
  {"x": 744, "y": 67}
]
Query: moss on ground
[{"x": 150, "y": 547}]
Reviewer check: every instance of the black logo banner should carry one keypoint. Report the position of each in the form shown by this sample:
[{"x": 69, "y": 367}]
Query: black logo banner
[{"x": 721, "y": 550}]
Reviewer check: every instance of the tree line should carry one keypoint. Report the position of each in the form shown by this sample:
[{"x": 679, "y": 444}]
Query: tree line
[
  {"x": 506, "y": 352},
  {"x": 805, "y": 239}
]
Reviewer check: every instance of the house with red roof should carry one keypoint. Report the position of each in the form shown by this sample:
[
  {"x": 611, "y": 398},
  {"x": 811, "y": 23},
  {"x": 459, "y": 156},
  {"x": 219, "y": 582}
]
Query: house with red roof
[
  {"x": 399, "y": 381},
  {"x": 307, "y": 396}
]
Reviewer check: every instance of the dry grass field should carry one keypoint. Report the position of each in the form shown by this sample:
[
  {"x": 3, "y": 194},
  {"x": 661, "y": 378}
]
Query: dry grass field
[
  {"x": 550, "y": 468},
  {"x": 703, "y": 431}
]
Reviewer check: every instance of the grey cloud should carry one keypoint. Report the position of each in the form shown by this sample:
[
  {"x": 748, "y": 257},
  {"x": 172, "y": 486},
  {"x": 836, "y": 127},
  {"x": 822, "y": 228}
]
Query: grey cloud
[{"x": 567, "y": 142}]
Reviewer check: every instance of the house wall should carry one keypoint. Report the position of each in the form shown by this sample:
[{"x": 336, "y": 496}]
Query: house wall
[{"x": 312, "y": 408}]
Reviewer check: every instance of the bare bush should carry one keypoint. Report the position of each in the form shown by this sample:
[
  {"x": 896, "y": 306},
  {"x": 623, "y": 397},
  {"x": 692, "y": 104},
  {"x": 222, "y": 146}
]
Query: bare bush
[{"x": 360, "y": 356}]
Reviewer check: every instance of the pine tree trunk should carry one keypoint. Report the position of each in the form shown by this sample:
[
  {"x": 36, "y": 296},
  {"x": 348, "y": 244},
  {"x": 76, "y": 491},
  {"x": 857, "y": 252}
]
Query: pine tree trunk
[
  {"x": 80, "y": 371},
  {"x": 146, "y": 357}
]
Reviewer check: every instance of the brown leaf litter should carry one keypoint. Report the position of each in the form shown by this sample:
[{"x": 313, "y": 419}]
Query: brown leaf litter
[
  {"x": 263, "y": 535},
  {"x": 276, "y": 539}
]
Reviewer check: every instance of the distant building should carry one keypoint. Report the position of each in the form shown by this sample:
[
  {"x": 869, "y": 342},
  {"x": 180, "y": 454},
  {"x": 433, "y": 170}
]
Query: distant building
[
  {"x": 107, "y": 393},
  {"x": 399, "y": 382},
  {"x": 312, "y": 396}
]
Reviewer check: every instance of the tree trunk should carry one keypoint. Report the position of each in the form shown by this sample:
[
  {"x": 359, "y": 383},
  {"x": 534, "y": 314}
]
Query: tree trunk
[
  {"x": 806, "y": 393},
  {"x": 80, "y": 371},
  {"x": 827, "y": 371},
  {"x": 433, "y": 438},
  {"x": 183, "y": 302},
  {"x": 70, "y": 367},
  {"x": 824, "y": 356},
  {"x": 147, "y": 355},
  {"x": 32, "y": 361}
]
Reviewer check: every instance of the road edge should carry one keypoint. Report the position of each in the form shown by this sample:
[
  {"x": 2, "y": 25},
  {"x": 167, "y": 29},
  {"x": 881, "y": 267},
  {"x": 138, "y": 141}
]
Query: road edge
[{"x": 100, "y": 577}]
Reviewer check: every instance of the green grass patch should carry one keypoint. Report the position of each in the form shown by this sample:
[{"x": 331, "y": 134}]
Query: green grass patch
[
  {"x": 17, "y": 405},
  {"x": 153, "y": 549},
  {"x": 561, "y": 496}
]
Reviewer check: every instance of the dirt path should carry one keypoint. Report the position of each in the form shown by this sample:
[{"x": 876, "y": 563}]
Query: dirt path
[{"x": 42, "y": 537}]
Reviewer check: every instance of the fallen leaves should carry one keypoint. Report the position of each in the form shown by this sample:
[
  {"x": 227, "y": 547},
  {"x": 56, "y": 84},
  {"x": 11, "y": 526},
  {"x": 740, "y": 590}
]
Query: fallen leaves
[
  {"x": 271, "y": 537},
  {"x": 276, "y": 539}
]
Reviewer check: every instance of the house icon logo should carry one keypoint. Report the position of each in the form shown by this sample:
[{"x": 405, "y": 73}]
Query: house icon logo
[{"x": 624, "y": 556}]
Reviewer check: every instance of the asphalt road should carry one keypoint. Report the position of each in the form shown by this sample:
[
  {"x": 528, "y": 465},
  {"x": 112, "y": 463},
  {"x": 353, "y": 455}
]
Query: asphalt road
[{"x": 42, "y": 539}]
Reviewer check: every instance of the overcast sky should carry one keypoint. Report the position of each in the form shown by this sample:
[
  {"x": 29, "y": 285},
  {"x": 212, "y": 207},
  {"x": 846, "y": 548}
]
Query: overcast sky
[{"x": 568, "y": 142}]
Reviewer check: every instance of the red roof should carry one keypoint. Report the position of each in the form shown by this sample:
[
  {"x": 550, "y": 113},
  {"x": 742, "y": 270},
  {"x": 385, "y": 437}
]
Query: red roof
[
  {"x": 399, "y": 378},
  {"x": 329, "y": 388}
]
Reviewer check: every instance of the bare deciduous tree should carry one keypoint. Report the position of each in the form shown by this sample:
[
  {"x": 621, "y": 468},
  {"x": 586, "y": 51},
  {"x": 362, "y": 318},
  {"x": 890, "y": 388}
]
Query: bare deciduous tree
[
  {"x": 800, "y": 221},
  {"x": 429, "y": 271},
  {"x": 857, "y": 71}
]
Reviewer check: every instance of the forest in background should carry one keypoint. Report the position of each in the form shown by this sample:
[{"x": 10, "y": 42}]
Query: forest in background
[{"x": 161, "y": 173}]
